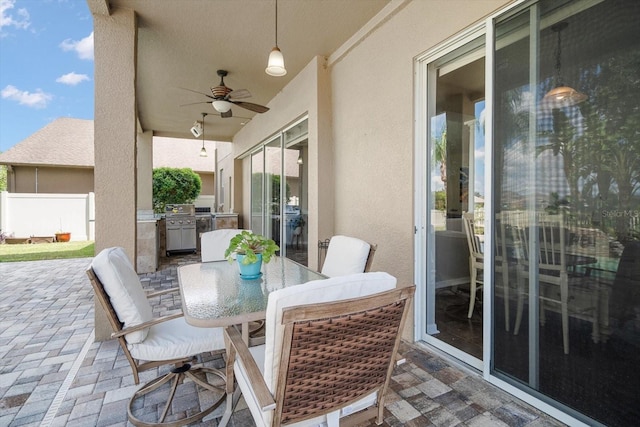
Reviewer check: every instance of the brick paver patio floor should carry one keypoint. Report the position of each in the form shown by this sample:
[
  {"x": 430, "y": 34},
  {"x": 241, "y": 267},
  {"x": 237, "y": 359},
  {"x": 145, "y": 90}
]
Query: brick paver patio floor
[{"x": 52, "y": 373}]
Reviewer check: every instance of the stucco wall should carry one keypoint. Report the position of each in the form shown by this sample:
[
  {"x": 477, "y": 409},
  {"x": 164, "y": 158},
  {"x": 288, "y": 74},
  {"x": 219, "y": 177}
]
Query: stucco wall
[
  {"x": 308, "y": 93},
  {"x": 29, "y": 179},
  {"x": 373, "y": 124},
  {"x": 208, "y": 183}
]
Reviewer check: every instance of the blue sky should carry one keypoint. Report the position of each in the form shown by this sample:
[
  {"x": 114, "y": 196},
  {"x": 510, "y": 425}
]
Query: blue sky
[{"x": 46, "y": 65}]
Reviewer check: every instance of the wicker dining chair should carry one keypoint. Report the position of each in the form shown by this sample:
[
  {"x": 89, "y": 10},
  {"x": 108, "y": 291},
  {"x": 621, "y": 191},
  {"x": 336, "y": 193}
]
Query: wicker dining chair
[
  {"x": 149, "y": 342},
  {"x": 330, "y": 350}
]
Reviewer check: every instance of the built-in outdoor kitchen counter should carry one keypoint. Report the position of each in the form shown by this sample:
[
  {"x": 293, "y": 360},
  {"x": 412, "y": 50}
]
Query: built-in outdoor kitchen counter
[
  {"x": 147, "y": 242},
  {"x": 152, "y": 234},
  {"x": 225, "y": 220},
  {"x": 205, "y": 221}
]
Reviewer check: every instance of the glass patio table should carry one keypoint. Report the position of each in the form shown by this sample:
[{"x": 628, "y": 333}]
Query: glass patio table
[{"x": 214, "y": 295}]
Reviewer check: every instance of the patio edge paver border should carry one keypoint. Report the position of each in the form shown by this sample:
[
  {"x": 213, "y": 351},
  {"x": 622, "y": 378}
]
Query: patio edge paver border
[{"x": 66, "y": 384}]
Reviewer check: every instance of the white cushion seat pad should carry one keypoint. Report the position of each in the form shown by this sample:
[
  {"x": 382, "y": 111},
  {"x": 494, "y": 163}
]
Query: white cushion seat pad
[
  {"x": 345, "y": 255},
  {"x": 122, "y": 284},
  {"x": 314, "y": 292},
  {"x": 176, "y": 339}
]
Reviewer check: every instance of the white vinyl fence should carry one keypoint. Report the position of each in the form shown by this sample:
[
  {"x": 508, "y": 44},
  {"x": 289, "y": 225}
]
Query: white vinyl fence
[{"x": 27, "y": 215}]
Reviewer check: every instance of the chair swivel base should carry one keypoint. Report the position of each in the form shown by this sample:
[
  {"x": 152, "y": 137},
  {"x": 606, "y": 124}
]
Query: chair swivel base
[{"x": 177, "y": 376}]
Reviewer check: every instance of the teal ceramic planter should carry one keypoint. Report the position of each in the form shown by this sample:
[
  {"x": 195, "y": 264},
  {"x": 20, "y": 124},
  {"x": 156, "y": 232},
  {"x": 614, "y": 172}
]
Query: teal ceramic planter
[{"x": 250, "y": 271}]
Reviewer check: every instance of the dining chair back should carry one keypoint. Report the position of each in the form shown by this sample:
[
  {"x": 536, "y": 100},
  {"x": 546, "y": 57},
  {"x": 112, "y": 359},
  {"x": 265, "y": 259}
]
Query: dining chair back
[
  {"x": 547, "y": 235},
  {"x": 330, "y": 350},
  {"x": 347, "y": 255},
  {"x": 149, "y": 342},
  {"x": 476, "y": 259},
  {"x": 214, "y": 243}
]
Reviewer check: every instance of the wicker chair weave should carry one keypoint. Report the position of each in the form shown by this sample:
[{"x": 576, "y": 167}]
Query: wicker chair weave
[{"x": 336, "y": 361}]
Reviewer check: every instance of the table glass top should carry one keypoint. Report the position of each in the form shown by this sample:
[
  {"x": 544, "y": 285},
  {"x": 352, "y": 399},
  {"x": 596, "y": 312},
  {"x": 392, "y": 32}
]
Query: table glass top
[{"x": 214, "y": 290}]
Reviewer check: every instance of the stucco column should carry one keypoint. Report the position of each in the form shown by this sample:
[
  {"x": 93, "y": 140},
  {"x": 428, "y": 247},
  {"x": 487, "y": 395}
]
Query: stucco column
[
  {"x": 145, "y": 171},
  {"x": 115, "y": 138},
  {"x": 321, "y": 169}
]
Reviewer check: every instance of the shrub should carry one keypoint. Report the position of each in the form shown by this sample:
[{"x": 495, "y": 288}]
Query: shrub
[{"x": 174, "y": 186}]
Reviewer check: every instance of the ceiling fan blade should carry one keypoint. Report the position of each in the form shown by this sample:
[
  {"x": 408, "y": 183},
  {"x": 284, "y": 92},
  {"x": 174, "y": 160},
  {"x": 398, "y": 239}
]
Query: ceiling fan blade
[
  {"x": 195, "y": 91},
  {"x": 238, "y": 94},
  {"x": 251, "y": 106},
  {"x": 194, "y": 103},
  {"x": 227, "y": 114}
]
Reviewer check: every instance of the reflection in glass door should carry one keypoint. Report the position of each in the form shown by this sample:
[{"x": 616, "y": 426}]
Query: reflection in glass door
[
  {"x": 279, "y": 200},
  {"x": 272, "y": 190},
  {"x": 566, "y": 188},
  {"x": 296, "y": 198},
  {"x": 257, "y": 197},
  {"x": 456, "y": 187}
]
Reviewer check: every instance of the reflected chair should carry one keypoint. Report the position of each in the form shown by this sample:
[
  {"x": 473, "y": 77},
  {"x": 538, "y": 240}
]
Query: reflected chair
[
  {"x": 214, "y": 243},
  {"x": 330, "y": 351},
  {"x": 347, "y": 255},
  {"x": 558, "y": 285},
  {"x": 476, "y": 259},
  {"x": 149, "y": 342}
]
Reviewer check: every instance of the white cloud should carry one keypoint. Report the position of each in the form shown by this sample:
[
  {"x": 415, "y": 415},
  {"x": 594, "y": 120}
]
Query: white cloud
[
  {"x": 72, "y": 78},
  {"x": 38, "y": 99},
  {"x": 19, "y": 19},
  {"x": 84, "y": 47}
]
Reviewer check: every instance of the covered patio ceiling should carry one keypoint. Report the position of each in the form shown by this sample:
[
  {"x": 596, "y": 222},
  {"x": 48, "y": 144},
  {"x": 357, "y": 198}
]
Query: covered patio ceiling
[{"x": 181, "y": 44}]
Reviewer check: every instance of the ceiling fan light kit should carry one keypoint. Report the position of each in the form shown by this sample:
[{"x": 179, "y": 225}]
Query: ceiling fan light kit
[
  {"x": 221, "y": 106},
  {"x": 275, "y": 66}
]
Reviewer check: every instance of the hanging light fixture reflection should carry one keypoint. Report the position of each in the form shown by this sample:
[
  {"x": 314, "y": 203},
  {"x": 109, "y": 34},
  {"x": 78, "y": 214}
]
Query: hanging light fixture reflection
[
  {"x": 561, "y": 95},
  {"x": 275, "y": 67},
  {"x": 203, "y": 151}
]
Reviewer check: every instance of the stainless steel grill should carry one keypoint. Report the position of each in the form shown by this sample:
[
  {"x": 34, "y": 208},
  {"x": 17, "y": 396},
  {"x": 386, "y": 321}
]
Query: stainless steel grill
[{"x": 181, "y": 228}]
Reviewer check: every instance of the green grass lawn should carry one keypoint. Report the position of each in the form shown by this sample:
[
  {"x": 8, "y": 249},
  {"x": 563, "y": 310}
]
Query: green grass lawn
[{"x": 42, "y": 251}]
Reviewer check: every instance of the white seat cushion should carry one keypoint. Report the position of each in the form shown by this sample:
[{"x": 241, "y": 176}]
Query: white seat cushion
[
  {"x": 345, "y": 255},
  {"x": 122, "y": 284},
  {"x": 214, "y": 243},
  {"x": 175, "y": 339}
]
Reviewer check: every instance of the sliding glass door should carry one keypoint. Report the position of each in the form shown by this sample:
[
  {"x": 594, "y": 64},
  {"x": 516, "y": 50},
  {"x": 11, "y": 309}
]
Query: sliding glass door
[
  {"x": 455, "y": 183},
  {"x": 567, "y": 176},
  {"x": 279, "y": 191}
]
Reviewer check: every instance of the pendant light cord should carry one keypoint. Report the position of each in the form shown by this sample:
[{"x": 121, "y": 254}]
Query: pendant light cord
[
  {"x": 276, "y": 23},
  {"x": 558, "y": 54}
]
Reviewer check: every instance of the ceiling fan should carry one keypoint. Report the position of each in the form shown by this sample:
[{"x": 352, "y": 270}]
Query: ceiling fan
[{"x": 223, "y": 98}]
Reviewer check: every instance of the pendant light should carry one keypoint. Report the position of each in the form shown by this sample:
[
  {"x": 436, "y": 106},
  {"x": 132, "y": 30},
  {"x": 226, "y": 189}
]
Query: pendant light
[
  {"x": 275, "y": 67},
  {"x": 203, "y": 151},
  {"x": 561, "y": 95}
]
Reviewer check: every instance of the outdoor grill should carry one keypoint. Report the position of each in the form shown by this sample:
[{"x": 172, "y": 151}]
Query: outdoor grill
[{"x": 181, "y": 228}]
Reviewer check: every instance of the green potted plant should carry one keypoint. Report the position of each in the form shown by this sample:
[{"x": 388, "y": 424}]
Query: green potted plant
[{"x": 250, "y": 250}]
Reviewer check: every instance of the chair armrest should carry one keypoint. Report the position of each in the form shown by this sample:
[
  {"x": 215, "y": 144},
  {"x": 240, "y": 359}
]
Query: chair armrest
[
  {"x": 145, "y": 325},
  {"x": 163, "y": 292},
  {"x": 263, "y": 395}
]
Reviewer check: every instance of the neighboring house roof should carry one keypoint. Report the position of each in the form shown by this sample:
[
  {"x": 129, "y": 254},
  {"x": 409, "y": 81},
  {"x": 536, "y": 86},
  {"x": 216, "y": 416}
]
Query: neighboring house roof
[
  {"x": 68, "y": 142},
  {"x": 183, "y": 153},
  {"x": 63, "y": 142}
]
